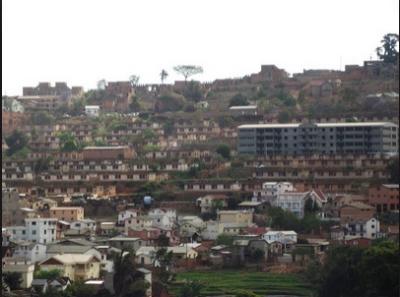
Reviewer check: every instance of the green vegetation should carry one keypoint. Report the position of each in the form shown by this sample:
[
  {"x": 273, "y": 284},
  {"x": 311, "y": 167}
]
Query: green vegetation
[
  {"x": 238, "y": 100},
  {"x": 42, "y": 118},
  {"x": 389, "y": 52},
  {"x": 188, "y": 70},
  {"x": 393, "y": 169},
  {"x": 48, "y": 274},
  {"x": 127, "y": 280},
  {"x": 193, "y": 91},
  {"x": 358, "y": 272},
  {"x": 224, "y": 239},
  {"x": 286, "y": 220},
  {"x": 230, "y": 281},
  {"x": 170, "y": 102},
  {"x": 190, "y": 289},
  {"x": 224, "y": 151},
  {"x": 12, "y": 279},
  {"x": 68, "y": 142},
  {"x": 16, "y": 142}
]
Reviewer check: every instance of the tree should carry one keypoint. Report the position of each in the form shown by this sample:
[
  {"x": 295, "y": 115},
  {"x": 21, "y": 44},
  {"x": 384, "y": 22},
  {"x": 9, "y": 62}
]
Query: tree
[
  {"x": 133, "y": 80},
  {"x": 48, "y": 274},
  {"x": 188, "y": 70},
  {"x": 258, "y": 255},
  {"x": 101, "y": 84},
  {"x": 135, "y": 104},
  {"x": 393, "y": 168},
  {"x": 379, "y": 269},
  {"x": 163, "y": 240},
  {"x": 238, "y": 100},
  {"x": 224, "y": 239},
  {"x": 68, "y": 142},
  {"x": 16, "y": 142},
  {"x": 169, "y": 126},
  {"x": 163, "y": 75},
  {"x": 127, "y": 280},
  {"x": 193, "y": 91},
  {"x": 12, "y": 279},
  {"x": 232, "y": 203},
  {"x": 169, "y": 103},
  {"x": 191, "y": 289},
  {"x": 42, "y": 118},
  {"x": 389, "y": 52},
  {"x": 358, "y": 272},
  {"x": 224, "y": 151},
  {"x": 164, "y": 259},
  {"x": 41, "y": 165}
]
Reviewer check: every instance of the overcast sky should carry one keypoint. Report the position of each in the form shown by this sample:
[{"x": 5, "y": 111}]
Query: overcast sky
[{"x": 83, "y": 41}]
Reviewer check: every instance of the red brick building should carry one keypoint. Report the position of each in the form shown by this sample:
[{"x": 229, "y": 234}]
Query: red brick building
[
  {"x": 384, "y": 197},
  {"x": 11, "y": 121}
]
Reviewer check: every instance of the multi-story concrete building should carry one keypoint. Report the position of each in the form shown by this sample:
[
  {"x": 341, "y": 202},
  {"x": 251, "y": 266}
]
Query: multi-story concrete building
[
  {"x": 68, "y": 214},
  {"x": 239, "y": 217},
  {"x": 11, "y": 209},
  {"x": 318, "y": 138},
  {"x": 271, "y": 190},
  {"x": 384, "y": 197},
  {"x": 40, "y": 230}
]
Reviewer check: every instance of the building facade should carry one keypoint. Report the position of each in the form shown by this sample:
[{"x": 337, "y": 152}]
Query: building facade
[
  {"x": 318, "y": 138},
  {"x": 384, "y": 197}
]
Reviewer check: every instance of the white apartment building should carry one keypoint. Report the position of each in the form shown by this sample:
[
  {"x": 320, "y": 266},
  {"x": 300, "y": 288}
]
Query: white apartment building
[
  {"x": 271, "y": 190},
  {"x": 163, "y": 217},
  {"x": 125, "y": 214},
  {"x": 32, "y": 252},
  {"x": 283, "y": 237},
  {"x": 295, "y": 201},
  {"x": 37, "y": 230},
  {"x": 364, "y": 228},
  {"x": 92, "y": 110},
  {"x": 84, "y": 225}
]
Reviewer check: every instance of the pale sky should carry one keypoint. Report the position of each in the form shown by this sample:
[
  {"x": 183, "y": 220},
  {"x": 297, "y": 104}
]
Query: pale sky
[{"x": 83, "y": 41}]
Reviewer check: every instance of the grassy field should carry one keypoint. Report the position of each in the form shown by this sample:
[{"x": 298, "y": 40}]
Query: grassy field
[{"x": 261, "y": 283}]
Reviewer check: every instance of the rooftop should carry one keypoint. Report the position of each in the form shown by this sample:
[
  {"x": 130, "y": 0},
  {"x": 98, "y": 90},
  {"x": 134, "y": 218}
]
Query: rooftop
[{"x": 321, "y": 125}]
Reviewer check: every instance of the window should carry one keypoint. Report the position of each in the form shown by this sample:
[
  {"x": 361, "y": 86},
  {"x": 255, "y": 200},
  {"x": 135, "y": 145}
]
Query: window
[
  {"x": 33, "y": 232},
  {"x": 33, "y": 223}
]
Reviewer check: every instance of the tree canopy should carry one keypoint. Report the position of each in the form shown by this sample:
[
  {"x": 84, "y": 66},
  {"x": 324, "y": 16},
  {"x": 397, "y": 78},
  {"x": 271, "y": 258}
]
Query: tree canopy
[
  {"x": 188, "y": 70},
  {"x": 238, "y": 100},
  {"x": 224, "y": 151},
  {"x": 358, "y": 272},
  {"x": 389, "y": 52},
  {"x": 16, "y": 142}
]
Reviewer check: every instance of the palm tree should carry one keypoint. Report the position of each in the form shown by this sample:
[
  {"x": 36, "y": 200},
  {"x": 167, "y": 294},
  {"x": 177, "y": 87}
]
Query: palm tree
[
  {"x": 163, "y": 75},
  {"x": 127, "y": 280}
]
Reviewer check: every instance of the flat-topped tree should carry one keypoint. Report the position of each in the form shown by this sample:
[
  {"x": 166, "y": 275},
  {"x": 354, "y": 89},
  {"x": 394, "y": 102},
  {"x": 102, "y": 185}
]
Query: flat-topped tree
[{"x": 188, "y": 70}]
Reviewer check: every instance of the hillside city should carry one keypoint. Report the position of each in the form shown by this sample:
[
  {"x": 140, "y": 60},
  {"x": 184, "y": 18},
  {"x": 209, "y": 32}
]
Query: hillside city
[{"x": 270, "y": 184}]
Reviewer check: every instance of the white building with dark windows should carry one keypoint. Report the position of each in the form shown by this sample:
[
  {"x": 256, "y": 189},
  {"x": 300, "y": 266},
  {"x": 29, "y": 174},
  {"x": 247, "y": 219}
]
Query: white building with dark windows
[
  {"x": 318, "y": 138},
  {"x": 37, "y": 230},
  {"x": 284, "y": 237},
  {"x": 270, "y": 191},
  {"x": 369, "y": 228}
]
